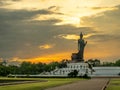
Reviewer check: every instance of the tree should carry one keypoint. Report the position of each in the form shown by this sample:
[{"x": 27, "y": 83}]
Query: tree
[
  {"x": 32, "y": 68},
  {"x": 13, "y": 69},
  {"x": 25, "y": 68},
  {"x": 94, "y": 62},
  {"x": 4, "y": 71},
  {"x": 40, "y": 67},
  {"x": 63, "y": 63},
  {"x": 73, "y": 73},
  {"x": 117, "y": 63},
  {"x": 108, "y": 64}
]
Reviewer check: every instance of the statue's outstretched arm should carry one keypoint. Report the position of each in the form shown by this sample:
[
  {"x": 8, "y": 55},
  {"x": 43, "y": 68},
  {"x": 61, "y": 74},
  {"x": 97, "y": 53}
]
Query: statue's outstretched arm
[{"x": 85, "y": 42}]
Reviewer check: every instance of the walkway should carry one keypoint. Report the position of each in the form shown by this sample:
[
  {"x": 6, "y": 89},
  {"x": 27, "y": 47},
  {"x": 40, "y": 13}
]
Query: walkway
[{"x": 92, "y": 84}]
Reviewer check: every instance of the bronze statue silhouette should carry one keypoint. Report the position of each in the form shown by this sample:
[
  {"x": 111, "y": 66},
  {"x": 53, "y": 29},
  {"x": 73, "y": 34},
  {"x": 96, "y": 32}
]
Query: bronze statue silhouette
[{"x": 81, "y": 46}]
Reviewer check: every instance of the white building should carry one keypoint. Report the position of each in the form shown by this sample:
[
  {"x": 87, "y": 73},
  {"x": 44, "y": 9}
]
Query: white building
[
  {"x": 106, "y": 71},
  {"x": 81, "y": 67}
]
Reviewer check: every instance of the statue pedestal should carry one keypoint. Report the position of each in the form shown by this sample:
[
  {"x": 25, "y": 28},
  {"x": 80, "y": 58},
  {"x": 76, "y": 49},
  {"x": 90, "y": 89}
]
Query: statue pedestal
[
  {"x": 75, "y": 57},
  {"x": 77, "y": 61},
  {"x": 80, "y": 60}
]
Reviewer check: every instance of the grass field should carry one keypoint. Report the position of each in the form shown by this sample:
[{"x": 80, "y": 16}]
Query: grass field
[
  {"x": 51, "y": 82},
  {"x": 114, "y": 84}
]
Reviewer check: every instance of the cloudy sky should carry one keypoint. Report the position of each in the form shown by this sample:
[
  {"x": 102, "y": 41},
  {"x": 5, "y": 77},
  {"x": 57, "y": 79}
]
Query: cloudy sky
[{"x": 47, "y": 30}]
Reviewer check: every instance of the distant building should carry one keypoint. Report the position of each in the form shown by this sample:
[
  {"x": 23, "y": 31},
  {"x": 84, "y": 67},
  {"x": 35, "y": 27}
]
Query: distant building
[{"x": 106, "y": 71}]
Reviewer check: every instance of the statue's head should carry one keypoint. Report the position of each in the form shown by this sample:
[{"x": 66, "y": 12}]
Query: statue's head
[{"x": 81, "y": 35}]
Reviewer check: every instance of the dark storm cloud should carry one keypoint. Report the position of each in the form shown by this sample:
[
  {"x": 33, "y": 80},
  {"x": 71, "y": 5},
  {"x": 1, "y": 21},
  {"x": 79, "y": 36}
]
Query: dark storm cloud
[
  {"x": 53, "y": 8},
  {"x": 2, "y": 3},
  {"x": 107, "y": 36},
  {"x": 16, "y": 0},
  {"x": 13, "y": 18},
  {"x": 103, "y": 38},
  {"x": 5, "y": 2},
  {"x": 16, "y": 32},
  {"x": 107, "y": 22},
  {"x": 99, "y": 8},
  {"x": 96, "y": 8},
  {"x": 9, "y": 0},
  {"x": 7, "y": 15},
  {"x": 20, "y": 36}
]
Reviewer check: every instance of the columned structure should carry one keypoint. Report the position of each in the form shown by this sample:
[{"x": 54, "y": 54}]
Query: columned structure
[{"x": 81, "y": 67}]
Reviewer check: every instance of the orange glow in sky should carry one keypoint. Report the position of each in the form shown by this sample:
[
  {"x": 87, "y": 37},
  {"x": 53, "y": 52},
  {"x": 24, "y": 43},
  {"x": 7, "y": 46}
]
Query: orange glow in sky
[{"x": 48, "y": 30}]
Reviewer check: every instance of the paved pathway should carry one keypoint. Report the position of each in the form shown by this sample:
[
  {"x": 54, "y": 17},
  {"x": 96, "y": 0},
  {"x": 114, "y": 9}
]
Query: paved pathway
[{"x": 92, "y": 84}]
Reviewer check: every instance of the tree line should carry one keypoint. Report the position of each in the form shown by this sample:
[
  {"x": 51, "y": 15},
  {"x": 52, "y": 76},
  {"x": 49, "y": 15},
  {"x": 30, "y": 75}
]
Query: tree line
[
  {"x": 30, "y": 68},
  {"x": 37, "y": 68},
  {"x": 96, "y": 63}
]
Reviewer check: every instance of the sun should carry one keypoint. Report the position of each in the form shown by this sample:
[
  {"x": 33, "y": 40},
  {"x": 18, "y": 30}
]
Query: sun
[
  {"x": 74, "y": 20},
  {"x": 70, "y": 20}
]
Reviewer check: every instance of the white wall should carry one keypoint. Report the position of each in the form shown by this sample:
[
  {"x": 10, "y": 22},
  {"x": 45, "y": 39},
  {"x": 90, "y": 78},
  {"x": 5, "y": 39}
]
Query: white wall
[{"x": 106, "y": 71}]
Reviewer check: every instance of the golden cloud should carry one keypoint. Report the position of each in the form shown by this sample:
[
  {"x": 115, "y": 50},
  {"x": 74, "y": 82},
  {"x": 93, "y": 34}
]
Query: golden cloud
[
  {"x": 69, "y": 36},
  {"x": 74, "y": 37},
  {"x": 46, "y": 46}
]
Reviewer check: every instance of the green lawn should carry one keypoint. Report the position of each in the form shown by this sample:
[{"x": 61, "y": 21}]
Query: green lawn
[
  {"x": 114, "y": 84},
  {"x": 39, "y": 85}
]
